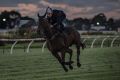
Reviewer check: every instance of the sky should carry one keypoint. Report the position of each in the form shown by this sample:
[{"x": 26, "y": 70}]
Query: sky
[{"x": 72, "y": 8}]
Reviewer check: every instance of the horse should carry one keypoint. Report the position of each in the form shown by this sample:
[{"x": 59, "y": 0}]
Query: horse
[{"x": 58, "y": 44}]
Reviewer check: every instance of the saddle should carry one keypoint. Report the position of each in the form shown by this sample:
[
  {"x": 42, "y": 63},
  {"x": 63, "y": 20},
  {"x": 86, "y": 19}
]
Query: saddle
[{"x": 57, "y": 33}]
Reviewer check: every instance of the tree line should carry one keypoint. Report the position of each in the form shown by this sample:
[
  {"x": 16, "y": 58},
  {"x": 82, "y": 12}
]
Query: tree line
[
  {"x": 98, "y": 20},
  {"x": 10, "y": 19}
]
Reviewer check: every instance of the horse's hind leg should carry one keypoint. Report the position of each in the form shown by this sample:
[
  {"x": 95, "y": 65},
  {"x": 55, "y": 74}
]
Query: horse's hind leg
[
  {"x": 69, "y": 51},
  {"x": 70, "y": 59},
  {"x": 78, "y": 55},
  {"x": 60, "y": 61}
]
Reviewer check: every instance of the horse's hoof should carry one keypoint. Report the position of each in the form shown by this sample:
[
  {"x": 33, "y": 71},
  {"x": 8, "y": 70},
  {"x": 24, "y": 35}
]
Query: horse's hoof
[
  {"x": 71, "y": 62},
  {"x": 78, "y": 64},
  {"x": 66, "y": 70},
  {"x": 68, "y": 63},
  {"x": 71, "y": 67}
]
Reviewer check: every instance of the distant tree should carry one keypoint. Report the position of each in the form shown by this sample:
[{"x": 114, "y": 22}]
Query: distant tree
[
  {"x": 87, "y": 23},
  {"x": 117, "y": 24},
  {"x": 4, "y": 19},
  {"x": 110, "y": 24},
  {"x": 99, "y": 20},
  {"x": 68, "y": 22},
  {"x": 78, "y": 22},
  {"x": 26, "y": 29},
  {"x": 14, "y": 19},
  {"x": 9, "y": 19}
]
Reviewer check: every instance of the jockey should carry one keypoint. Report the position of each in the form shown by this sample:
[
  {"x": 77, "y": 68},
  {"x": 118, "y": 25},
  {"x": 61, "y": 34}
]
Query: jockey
[{"x": 56, "y": 18}]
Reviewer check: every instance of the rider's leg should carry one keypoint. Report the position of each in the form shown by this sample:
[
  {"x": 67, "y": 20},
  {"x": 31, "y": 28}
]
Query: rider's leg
[{"x": 61, "y": 27}]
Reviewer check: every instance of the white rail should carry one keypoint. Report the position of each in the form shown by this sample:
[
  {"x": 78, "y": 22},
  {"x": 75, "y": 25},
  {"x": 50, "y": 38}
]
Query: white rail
[
  {"x": 39, "y": 39},
  {"x": 43, "y": 46},
  {"x": 28, "y": 48},
  {"x": 35, "y": 39},
  {"x": 94, "y": 41},
  {"x": 17, "y": 40},
  {"x": 113, "y": 40},
  {"x": 104, "y": 41},
  {"x": 11, "y": 50}
]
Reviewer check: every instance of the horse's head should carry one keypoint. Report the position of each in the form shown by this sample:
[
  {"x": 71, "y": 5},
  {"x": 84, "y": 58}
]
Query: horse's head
[
  {"x": 44, "y": 26},
  {"x": 41, "y": 21},
  {"x": 40, "y": 18}
]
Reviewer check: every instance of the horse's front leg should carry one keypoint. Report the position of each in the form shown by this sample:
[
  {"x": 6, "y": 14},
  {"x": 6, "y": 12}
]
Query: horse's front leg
[
  {"x": 63, "y": 57},
  {"x": 56, "y": 55}
]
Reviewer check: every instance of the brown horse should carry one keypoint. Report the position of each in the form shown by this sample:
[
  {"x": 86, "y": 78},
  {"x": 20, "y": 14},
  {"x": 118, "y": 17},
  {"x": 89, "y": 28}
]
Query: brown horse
[{"x": 58, "y": 44}]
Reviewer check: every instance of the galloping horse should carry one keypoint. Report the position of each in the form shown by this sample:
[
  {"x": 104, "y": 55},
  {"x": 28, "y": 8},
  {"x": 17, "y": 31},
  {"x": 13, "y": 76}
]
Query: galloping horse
[{"x": 58, "y": 44}]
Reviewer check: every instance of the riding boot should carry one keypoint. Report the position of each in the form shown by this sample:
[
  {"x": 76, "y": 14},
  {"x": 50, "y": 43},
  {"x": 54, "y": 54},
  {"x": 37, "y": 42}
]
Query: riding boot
[
  {"x": 63, "y": 33},
  {"x": 61, "y": 27}
]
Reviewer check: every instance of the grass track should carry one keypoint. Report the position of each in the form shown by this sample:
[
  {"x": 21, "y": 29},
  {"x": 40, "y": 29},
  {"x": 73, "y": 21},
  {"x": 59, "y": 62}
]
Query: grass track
[{"x": 97, "y": 64}]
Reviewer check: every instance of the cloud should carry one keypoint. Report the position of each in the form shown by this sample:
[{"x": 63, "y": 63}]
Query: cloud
[
  {"x": 114, "y": 13},
  {"x": 45, "y": 3},
  {"x": 118, "y": 11},
  {"x": 28, "y": 9},
  {"x": 113, "y": 0},
  {"x": 7, "y": 8},
  {"x": 24, "y": 9}
]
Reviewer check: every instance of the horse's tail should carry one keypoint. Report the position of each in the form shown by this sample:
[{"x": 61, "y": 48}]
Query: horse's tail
[{"x": 83, "y": 46}]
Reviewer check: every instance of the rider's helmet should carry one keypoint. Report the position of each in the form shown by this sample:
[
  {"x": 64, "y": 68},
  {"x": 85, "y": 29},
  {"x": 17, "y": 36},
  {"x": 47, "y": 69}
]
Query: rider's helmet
[{"x": 49, "y": 12}]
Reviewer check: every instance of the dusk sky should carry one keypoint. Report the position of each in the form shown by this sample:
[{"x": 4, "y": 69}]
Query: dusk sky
[{"x": 73, "y": 8}]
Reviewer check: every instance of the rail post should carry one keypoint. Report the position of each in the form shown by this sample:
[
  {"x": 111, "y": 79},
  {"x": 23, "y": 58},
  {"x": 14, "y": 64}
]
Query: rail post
[
  {"x": 28, "y": 48},
  {"x": 114, "y": 40},
  {"x": 94, "y": 41},
  {"x": 11, "y": 50},
  {"x": 104, "y": 41}
]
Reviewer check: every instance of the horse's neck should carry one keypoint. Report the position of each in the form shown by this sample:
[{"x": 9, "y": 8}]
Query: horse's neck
[
  {"x": 47, "y": 29},
  {"x": 48, "y": 32},
  {"x": 50, "y": 35}
]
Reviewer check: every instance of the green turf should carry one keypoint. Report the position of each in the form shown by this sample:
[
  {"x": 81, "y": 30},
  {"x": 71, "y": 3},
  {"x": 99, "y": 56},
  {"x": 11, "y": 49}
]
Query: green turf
[{"x": 97, "y": 64}]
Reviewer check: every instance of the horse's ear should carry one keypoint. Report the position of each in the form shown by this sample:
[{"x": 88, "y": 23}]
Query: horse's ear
[{"x": 40, "y": 16}]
